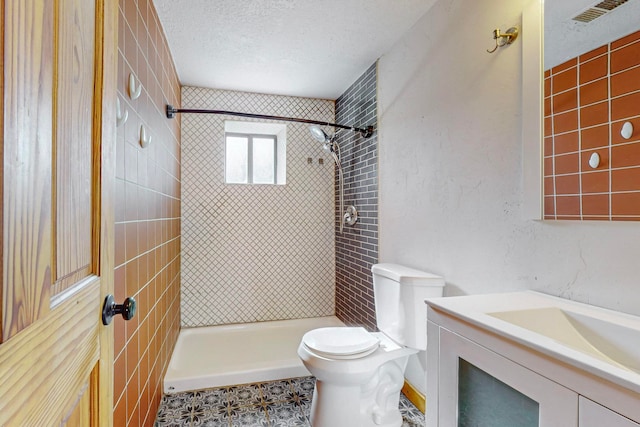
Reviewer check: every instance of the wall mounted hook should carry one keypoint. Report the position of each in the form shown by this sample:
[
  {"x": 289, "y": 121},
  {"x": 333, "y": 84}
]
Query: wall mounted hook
[
  {"x": 134, "y": 89},
  {"x": 145, "y": 139},
  {"x": 121, "y": 117},
  {"x": 504, "y": 39}
]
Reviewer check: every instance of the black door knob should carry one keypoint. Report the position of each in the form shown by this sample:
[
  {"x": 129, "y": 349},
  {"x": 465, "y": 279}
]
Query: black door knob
[{"x": 110, "y": 309}]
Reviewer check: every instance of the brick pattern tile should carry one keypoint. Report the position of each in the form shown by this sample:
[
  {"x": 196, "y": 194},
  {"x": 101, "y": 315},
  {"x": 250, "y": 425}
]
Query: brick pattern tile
[{"x": 357, "y": 246}]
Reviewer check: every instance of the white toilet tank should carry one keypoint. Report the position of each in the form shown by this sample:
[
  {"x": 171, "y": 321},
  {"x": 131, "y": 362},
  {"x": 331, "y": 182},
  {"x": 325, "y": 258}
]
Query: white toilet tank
[{"x": 399, "y": 294}]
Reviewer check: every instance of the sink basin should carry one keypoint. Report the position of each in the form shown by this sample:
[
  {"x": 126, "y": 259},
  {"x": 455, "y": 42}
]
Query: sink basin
[
  {"x": 605, "y": 340},
  {"x": 602, "y": 342}
]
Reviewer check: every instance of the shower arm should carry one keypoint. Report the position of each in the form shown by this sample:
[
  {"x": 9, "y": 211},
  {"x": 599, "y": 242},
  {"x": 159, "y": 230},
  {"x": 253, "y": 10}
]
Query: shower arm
[{"x": 172, "y": 111}]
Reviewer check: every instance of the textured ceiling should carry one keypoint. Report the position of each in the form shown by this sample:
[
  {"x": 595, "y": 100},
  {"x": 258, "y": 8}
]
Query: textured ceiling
[{"x": 309, "y": 48}]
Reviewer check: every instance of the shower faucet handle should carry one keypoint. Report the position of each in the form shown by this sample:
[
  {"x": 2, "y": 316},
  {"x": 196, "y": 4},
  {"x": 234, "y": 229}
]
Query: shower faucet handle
[{"x": 351, "y": 215}]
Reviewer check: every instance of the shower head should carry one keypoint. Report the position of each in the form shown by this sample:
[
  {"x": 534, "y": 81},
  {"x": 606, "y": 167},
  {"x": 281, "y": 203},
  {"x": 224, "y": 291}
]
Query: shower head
[
  {"x": 319, "y": 134},
  {"x": 329, "y": 144}
]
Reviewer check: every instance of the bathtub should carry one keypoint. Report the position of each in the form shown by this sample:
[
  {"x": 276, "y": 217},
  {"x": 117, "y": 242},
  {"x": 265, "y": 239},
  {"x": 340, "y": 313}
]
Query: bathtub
[{"x": 216, "y": 356}]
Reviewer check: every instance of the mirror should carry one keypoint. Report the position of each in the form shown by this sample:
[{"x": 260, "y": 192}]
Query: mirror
[{"x": 591, "y": 92}]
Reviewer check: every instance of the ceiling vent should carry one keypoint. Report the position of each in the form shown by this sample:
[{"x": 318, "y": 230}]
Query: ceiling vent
[{"x": 598, "y": 10}]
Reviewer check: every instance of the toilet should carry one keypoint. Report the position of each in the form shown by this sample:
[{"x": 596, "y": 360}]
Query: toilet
[{"x": 359, "y": 374}]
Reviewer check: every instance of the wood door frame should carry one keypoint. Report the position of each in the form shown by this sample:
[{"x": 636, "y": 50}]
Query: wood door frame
[
  {"x": 2, "y": 92},
  {"x": 105, "y": 114}
]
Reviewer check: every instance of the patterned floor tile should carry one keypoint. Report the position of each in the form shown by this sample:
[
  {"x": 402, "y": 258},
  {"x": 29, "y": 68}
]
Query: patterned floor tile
[
  {"x": 411, "y": 415},
  {"x": 244, "y": 395},
  {"x": 211, "y": 419},
  {"x": 212, "y": 400},
  {"x": 284, "y": 403},
  {"x": 303, "y": 386},
  {"x": 177, "y": 401},
  {"x": 286, "y": 414},
  {"x": 305, "y": 406},
  {"x": 277, "y": 391},
  {"x": 249, "y": 416},
  {"x": 173, "y": 423}
]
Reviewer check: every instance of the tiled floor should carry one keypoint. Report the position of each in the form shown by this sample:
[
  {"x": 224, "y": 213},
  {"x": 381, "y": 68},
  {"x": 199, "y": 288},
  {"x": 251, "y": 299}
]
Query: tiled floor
[{"x": 284, "y": 403}]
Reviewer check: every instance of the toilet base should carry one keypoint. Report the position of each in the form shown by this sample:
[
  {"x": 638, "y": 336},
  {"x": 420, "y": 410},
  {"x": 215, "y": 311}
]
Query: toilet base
[{"x": 373, "y": 404}]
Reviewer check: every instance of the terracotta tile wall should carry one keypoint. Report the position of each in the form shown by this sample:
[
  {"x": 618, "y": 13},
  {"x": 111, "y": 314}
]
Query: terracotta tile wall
[
  {"x": 587, "y": 101},
  {"x": 357, "y": 246},
  {"x": 147, "y": 217}
]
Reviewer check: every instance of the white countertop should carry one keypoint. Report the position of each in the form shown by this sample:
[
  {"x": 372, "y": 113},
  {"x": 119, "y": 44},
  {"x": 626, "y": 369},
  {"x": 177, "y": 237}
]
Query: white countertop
[{"x": 616, "y": 336}]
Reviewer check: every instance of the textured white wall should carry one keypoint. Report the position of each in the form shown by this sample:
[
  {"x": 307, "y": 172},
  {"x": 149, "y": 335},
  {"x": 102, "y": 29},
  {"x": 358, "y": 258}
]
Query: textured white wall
[{"x": 451, "y": 171}]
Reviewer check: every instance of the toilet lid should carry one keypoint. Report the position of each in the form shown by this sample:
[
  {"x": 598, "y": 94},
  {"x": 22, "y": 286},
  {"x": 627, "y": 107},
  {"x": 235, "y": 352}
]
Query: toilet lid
[{"x": 340, "y": 341}]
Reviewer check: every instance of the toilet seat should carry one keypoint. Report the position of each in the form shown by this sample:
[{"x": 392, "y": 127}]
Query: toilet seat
[{"x": 341, "y": 343}]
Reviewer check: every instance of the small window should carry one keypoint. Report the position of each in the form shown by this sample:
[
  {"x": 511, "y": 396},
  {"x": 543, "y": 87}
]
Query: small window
[{"x": 252, "y": 157}]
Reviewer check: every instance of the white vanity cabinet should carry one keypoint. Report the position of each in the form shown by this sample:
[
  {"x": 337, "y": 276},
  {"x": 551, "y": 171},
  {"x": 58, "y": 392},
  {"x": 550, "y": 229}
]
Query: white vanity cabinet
[
  {"x": 479, "y": 375},
  {"x": 593, "y": 415}
]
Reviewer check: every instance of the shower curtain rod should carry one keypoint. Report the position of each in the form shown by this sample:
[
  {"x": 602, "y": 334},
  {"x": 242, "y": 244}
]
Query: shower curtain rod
[{"x": 172, "y": 111}]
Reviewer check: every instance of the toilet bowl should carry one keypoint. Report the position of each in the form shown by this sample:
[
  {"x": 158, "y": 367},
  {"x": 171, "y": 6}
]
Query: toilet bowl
[
  {"x": 359, "y": 374},
  {"x": 357, "y": 389}
]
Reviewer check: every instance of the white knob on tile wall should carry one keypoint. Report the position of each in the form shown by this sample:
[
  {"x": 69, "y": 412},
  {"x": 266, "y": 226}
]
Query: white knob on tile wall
[{"x": 627, "y": 130}]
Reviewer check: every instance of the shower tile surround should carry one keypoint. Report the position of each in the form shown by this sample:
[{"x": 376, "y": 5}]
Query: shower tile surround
[
  {"x": 275, "y": 404},
  {"x": 587, "y": 101},
  {"x": 147, "y": 215},
  {"x": 357, "y": 246},
  {"x": 255, "y": 252}
]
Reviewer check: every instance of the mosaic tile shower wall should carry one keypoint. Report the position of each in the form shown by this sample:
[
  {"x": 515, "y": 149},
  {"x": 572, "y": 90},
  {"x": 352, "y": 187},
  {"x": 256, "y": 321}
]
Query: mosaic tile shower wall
[
  {"x": 357, "y": 246},
  {"x": 255, "y": 252}
]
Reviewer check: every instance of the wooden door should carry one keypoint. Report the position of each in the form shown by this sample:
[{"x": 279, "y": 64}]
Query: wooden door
[{"x": 58, "y": 126}]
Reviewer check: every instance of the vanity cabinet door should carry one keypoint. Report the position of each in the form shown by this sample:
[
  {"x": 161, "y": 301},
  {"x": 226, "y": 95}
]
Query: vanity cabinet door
[
  {"x": 593, "y": 415},
  {"x": 479, "y": 387}
]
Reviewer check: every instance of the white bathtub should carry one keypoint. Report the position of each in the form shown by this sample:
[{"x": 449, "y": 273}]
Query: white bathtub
[{"x": 215, "y": 356}]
